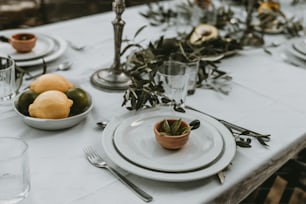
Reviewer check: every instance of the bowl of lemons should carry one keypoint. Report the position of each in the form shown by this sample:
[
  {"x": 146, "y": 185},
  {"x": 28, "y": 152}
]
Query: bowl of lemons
[{"x": 52, "y": 103}]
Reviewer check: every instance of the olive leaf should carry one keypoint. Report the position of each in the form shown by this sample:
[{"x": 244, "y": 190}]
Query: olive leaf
[{"x": 173, "y": 127}]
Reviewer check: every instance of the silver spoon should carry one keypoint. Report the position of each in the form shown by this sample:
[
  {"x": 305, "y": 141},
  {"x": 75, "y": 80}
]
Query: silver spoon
[
  {"x": 76, "y": 47},
  {"x": 102, "y": 124},
  {"x": 64, "y": 66}
]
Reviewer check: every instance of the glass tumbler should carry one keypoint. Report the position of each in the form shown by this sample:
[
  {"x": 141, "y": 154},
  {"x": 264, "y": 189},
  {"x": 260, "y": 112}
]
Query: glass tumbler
[
  {"x": 193, "y": 69},
  {"x": 7, "y": 79},
  {"x": 174, "y": 76},
  {"x": 14, "y": 170}
]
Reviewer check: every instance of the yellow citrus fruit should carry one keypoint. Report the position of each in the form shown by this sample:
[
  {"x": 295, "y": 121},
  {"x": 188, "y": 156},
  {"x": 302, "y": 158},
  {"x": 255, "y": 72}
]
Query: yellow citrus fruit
[
  {"x": 50, "y": 81},
  {"x": 51, "y": 105},
  {"x": 80, "y": 100},
  {"x": 25, "y": 99},
  {"x": 268, "y": 6}
]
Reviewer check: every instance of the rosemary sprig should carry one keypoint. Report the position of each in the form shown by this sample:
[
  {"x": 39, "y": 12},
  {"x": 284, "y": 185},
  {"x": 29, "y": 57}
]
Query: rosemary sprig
[{"x": 244, "y": 138}]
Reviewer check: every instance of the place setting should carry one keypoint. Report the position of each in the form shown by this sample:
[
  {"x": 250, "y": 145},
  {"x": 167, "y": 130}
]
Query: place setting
[
  {"x": 130, "y": 143},
  {"x": 29, "y": 48},
  {"x": 157, "y": 80},
  {"x": 131, "y": 140}
]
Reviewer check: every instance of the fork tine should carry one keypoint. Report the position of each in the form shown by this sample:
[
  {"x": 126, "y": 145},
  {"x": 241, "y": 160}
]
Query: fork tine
[
  {"x": 94, "y": 152},
  {"x": 91, "y": 153},
  {"x": 87, "y": 153}
]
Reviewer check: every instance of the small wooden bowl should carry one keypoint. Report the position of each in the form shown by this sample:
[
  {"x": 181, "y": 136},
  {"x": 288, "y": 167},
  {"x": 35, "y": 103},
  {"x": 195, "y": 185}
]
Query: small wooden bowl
[
  {"x": 23, "y": 42},
  {"x": 171, "y": 142}
]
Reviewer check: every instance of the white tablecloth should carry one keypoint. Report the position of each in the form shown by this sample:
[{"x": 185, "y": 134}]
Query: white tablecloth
[{"x": 267, "y": 95}]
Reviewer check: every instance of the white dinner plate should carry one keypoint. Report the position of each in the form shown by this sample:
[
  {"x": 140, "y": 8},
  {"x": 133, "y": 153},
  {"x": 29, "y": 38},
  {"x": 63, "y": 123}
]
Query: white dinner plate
[
  {"x": 44, "y": 45},
  {"x": 294, "y": 44},
  {"x": 134, "y": 138},
  {"x": 60, "y": 46},
  {"x": 218, "y": 165}
]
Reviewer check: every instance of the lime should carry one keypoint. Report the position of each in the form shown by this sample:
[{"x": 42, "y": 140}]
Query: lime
[
  {"x": 80, "y": 100},
  {"x": 25, "y": 99}
]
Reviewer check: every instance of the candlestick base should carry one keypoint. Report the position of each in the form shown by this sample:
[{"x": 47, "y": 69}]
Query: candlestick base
[{"x": 109, "y": 79}]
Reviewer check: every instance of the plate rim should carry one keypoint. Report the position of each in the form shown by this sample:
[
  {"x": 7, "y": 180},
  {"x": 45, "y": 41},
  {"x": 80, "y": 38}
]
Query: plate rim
[
  {"x": 291, "y": 50},
  {"x": 113, "y": 156},
  {"x": 201, "y": 163}
]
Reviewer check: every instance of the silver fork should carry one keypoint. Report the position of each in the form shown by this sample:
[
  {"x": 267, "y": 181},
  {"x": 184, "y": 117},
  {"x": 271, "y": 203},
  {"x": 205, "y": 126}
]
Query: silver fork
[{"x": 98, "y": 161}]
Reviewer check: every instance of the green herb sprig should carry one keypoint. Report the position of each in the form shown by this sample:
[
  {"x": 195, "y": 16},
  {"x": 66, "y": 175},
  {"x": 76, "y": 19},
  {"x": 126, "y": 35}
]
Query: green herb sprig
[{"x": 173, "y": 128}]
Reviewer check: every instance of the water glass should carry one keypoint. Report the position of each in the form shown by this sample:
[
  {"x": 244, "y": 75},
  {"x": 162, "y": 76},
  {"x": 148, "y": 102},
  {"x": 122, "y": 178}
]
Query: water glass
[
  {"x": 193, "y": 69},
  {"x": 7, "y": 79},
  {"x": 174, "y": 77},
  {"x": 14, "y": 170}
]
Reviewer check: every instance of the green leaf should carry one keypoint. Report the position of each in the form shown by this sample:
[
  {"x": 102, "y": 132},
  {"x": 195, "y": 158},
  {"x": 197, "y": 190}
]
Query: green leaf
[
  {"x": 165, "y": 127},
  {"x": 139, "y": 30},
  {"x": 175, "y": 127}
]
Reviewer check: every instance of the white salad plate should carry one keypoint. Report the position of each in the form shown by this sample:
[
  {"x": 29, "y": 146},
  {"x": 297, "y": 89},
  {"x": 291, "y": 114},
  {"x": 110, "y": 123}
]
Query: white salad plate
[
  {"x": 135, "y": 140},
  {"x": 297, "y": 47},
  {"x": 58, "y": 50},
  {"x": 44, "y": 45},
  {"x": 113, "y": 154}
]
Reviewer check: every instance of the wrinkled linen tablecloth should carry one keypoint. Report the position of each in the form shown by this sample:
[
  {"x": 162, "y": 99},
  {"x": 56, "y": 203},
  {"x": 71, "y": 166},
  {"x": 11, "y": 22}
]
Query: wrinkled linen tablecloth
[{"x": 267, "y": 95}]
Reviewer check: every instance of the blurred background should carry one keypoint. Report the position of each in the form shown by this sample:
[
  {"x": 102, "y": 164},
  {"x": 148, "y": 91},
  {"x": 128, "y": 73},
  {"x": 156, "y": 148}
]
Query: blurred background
[{"x": 28, "y": 13}]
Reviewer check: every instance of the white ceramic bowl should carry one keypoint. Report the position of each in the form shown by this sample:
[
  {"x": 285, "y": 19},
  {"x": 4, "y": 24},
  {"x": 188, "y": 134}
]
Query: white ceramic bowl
[{"x": 52, "y": 124}]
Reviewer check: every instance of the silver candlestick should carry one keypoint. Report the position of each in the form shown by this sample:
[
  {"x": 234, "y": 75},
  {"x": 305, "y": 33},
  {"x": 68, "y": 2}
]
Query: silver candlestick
[{"x": 114, "y": 78}]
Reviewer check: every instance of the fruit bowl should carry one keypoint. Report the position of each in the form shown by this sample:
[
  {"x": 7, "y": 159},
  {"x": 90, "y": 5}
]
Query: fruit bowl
[{"x": 52, "y": 124}]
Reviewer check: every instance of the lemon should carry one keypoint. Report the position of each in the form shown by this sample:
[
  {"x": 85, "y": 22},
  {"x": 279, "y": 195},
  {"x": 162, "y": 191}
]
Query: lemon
[
  {"x": 51, "y": 104},
  {"x": 268, "y": 7},
  {"x": 80, "y": 100},
  {"x": 25, "y": 99},
  {"x": 50, "y": 81}
]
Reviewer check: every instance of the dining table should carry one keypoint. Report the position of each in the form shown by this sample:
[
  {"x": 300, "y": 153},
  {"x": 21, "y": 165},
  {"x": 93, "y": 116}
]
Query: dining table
[{"x": 266, "y": 95}]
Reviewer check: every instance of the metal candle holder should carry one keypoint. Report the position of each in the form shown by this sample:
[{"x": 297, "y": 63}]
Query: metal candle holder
[{"x": 114, "y": 78}]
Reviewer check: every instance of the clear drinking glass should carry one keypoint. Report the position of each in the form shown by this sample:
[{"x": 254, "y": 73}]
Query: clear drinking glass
[
  {"x": 7, "y": 79},
  {"x": 14, "y": 170},
  {"x": 174, "y": 76},
  {"x": 193, "y": 68}
]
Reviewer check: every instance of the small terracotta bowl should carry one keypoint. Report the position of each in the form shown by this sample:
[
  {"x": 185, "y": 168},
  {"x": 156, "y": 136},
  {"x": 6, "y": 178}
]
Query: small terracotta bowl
[
  {"x": 171, "y": 142},
  {"x": 23, "y": 42}
]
